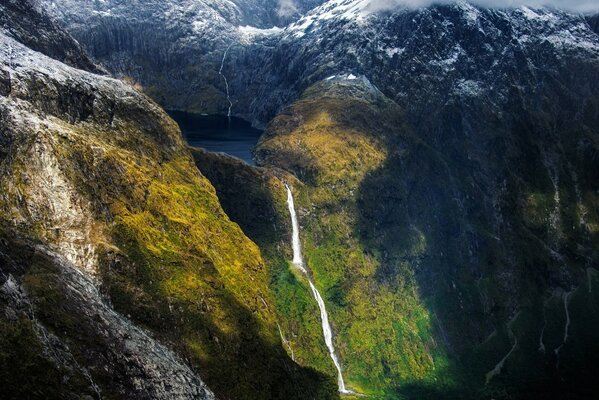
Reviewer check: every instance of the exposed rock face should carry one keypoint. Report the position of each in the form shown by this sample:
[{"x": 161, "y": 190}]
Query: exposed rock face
[
  {"x": 111, "y": 356},
  {"x": 43, "y": 97},
  {"x": 174, "y": 49},
  {"x": 81, "y": 336},
  {"x": 444, "y": 51},
  {"x": 37, "y": 31},
  {"x": 97, "y": 177},
  {"x": 594, "y": 22}
]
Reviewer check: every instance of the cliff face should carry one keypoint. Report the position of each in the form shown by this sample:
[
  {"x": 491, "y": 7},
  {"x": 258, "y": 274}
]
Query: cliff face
[
  {"x": 40, "y": 33},
  {"x": 447, "y": 273},
  {"x": 444, "y": 163},
  {"x": 174, "y": 49},
  {"x": 121, "y": 273},
  {"x": 445, "y": 51},
  {"x": 60, "y": 338}
]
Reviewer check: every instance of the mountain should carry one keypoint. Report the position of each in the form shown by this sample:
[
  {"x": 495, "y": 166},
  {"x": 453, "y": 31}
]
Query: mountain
[
  {"x": 594, "y": 22},
  {"x": 122, "y": 277},
  {"x": 448, "y": 156},
  {"x": 443, "y": 165},
  {"x": 172, "y": 48},
  {"x": 40, "y": 33}
]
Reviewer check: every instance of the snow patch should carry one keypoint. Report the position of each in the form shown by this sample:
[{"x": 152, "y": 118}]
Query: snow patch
[
  {"x": 392, "y": 51},
  {"x": 251, "y": 32},
  {"x": 469, "y": 88}
]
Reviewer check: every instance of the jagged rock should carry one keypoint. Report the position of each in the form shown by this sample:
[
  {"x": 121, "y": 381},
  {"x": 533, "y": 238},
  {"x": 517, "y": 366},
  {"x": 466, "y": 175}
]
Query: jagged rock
[
  {"x": 98, "y": 177},
  {"x": 102, "y": 341},
  {"x": 4, "y": 83},
  {"x": 37, "y": 31}
]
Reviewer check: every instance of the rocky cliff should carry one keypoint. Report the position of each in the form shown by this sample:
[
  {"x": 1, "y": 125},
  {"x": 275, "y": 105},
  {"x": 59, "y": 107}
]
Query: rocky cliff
[
  {"x": 444, "y": 165},
  {"x": 40, "y": 33},
  {"x": 122, "y": 276}
]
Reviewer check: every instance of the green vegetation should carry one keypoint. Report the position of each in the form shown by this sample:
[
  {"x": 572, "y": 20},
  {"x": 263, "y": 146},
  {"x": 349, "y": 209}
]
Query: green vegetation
[
  {"x": 169, "y": 258},
  {"x": 413, "y": 267},
  {"x": 256, "y": 199}
]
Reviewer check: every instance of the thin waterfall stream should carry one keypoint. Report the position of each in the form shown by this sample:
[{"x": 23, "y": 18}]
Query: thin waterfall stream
[
  {"x": 324, "y": 316},
  {"x": 220, "y": 72}
]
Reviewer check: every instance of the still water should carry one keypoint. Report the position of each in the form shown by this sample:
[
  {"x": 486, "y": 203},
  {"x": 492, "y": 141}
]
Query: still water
[{"x": 217, "y": 133}]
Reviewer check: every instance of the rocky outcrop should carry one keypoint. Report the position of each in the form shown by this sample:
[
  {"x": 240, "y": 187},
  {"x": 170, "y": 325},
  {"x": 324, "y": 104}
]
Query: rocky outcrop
[
  {"x": 594, "y": 22},
  {"x": 106, "y": 355},
  {"x": 37, "y": 31},
  {"x": 140, "y": 285},
  {"x": 42, "y": 98}
]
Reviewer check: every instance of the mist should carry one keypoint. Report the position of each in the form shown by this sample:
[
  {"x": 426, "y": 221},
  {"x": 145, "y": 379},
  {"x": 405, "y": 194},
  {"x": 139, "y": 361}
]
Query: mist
[{"x": 583, "y": 6}]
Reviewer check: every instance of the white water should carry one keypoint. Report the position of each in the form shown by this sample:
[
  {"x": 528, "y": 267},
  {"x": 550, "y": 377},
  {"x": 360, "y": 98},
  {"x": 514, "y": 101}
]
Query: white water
[
  {"x": 295, "y": 238},
  {"x": 499, "y": 366},
  {"x": 567, "y": 326},
  {"x": 324, "y": 317},
  {"x": 286, "y": 343},
  {"x": 220, "y": 72}
]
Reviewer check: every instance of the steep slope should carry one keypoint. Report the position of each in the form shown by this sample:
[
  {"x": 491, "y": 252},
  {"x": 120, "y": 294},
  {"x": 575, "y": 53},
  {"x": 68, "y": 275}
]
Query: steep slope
[
  {"x": 60, "y": 339},
  {"x": 439, "y": 49},
  {"x": 40, "y": 33},
  {"x": 177, "y": 50},
  {"x": 444, "y": 276},
  {"x": 442, "y": 51},
  {"x": 116, "y": 249}
]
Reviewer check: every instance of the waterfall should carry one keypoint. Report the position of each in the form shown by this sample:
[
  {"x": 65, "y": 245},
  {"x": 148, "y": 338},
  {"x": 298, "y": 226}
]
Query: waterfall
[
  {"x": 566, "y": 326},
  {"x": 324, "y": 317},
  {"x": 295, "y": 238},
  {"x": 220, "y": 72},
  {"x": 499, "y": 366}
]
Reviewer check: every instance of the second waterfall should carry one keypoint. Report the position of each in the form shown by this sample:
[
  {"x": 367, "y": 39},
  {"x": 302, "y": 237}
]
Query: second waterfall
[{"x": 324, "y": 316}]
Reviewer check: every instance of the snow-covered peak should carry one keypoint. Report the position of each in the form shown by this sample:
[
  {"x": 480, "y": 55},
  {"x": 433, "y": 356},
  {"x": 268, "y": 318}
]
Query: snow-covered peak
[
  {"x": 251, "y": 33},
  {"x": 342, "y": 10}
]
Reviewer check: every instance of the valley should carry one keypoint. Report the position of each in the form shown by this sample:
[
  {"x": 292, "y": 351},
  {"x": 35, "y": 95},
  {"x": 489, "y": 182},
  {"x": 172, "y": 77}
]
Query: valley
[
  {"x": 344, "y": 199},
  {"x": 216, "y": 133}
]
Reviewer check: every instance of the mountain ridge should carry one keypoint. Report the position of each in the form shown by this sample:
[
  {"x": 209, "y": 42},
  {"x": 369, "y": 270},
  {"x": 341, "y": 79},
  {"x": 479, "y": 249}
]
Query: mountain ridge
[{"x": 444, "y": 170}]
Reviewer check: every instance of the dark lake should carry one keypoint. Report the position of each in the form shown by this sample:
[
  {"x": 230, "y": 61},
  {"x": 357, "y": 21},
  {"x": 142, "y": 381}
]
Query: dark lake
[{"x": 217, "y": 133}]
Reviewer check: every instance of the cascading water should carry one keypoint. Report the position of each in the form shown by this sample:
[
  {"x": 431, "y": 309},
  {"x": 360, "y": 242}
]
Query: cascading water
[
  {"x": 324, "y": 317},
  {"x": 220, "y": 72},
  {"x": 295, "y": 238}
]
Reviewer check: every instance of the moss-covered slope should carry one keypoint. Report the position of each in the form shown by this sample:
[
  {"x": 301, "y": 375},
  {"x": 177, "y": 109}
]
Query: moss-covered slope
[
  {"x": 99, "y": 174},
  {"x": 438, "y": 263}
]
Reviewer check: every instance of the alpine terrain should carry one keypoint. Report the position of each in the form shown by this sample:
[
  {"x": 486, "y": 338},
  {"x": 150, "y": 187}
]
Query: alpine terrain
[{"x": 422, "y": 221}]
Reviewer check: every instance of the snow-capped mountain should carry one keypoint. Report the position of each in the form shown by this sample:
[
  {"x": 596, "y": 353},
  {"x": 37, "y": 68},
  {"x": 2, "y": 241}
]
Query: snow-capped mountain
[
  {"x": 444, "y": 50},
  {"x": 176, "y": 49},
  {"x": 445, "y": 188}
]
